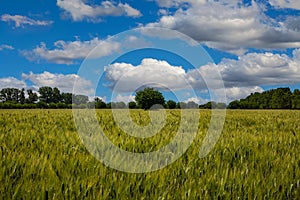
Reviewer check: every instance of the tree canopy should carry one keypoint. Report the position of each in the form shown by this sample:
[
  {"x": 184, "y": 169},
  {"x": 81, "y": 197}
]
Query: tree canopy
[
  {"x": 148, "y": 97},
  {"x": 280, "y": 98},
  {"x": 47, "y": 97}
]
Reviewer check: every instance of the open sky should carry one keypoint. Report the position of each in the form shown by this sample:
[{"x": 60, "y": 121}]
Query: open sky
[{"x": 255, "y": 45}]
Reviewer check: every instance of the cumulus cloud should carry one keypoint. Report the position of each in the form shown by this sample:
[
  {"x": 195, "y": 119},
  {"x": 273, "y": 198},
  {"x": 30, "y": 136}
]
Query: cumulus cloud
[
  {"x": 21, "y": 21},
  {"x": 11, "y": 82},
  {"x": 151, "y": 72},
  {"x": 5, "y": 46},
  {"x": 236, "y": 93},
  {"x": 293, "y": 4},
  {"x": 79, "y": 10},
  {"x": 230, "y": 26},
  {"x": 68, "y": 52},
  {"x": 64, "y": 82},
  {"x": 248, "y": 74},
  {"x": 261, "y": 69},
  {"x": 124, "y": 98}
]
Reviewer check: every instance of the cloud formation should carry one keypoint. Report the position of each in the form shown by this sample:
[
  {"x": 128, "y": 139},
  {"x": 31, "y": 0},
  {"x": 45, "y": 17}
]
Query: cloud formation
[
  {"x": 34, "y": 81},
  {"x": 229, "y": 25},
  {"x": 151, "y": 72},
  {"x": 21, "y": 21},
  {"x": 5, "y": 46},
  {"x": 63, "y": 82},
  {"x": 79, "y": 10},
  {"x": 293, "y": 4},
  {"x": 69, "y": 52},
  {"x": 262, "y": 69},
  {"x": 241, "y": 77},
  {"x": 12, "y": 82}
]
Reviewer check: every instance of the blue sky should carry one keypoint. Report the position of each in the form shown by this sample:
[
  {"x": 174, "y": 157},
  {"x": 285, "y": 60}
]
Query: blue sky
[{"x": 255, "y": 46}]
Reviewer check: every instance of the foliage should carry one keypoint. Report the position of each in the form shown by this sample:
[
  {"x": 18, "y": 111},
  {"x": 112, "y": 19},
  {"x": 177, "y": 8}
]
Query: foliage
[
  {"x": 257, "y": 157},
  {"x": 171, "y": 104},
  {"x": 148, "y": 97},
  {"x": 99, "y": 103},
  {"x": 213, "y": 105},
  {"x": 280, "y": 98},
  {"x": 132, "y": 105}
]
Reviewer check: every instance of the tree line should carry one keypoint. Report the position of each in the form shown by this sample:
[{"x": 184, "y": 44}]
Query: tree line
[
  {"x": 48, "y": 97},
  {"x": 280, "y": 98}
]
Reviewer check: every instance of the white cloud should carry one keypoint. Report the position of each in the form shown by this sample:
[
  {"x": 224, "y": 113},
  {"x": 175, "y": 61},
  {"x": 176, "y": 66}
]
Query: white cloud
[
  {"x": 293, "y": 4},
  {"x": 178, "y": 3},
  {"x": 79, "y": 10},
  {"x": 197, "y": 100},
  {"x": 241, "y": 77},
  {"x": 230, "y": 26},
  {"x": 68, "y": 52},
  {"x": 5, "y": 46},
  {"x": 151, "y": 72},
  {"x": 64, "y": 82},
  {"x": 21, "y": 21},
  {"x": 124, "y": 98},
  {"x": 11, "y": 82},
  {"x": 261, "y": 69},
  {"x": 236, "y": 93}
]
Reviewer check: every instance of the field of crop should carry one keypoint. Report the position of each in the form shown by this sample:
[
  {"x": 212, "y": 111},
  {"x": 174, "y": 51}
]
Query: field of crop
[{"x": 256, "y": 157}]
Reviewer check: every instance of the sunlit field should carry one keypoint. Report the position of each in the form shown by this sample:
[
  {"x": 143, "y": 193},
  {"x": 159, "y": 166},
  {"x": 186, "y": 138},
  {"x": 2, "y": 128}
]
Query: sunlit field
[{"x": 256, "y": 157}]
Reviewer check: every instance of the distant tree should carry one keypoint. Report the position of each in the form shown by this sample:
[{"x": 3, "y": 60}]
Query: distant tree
[
  {"x": 80, "y": 99},
  {"x": 10, "y": 95},
  {"x": 52, "y": 105},
  {"x": 41, "y": 104},
  {"x": 109, "y": 105},
  {"x": 22, "y": 96},
  {"x": 132, "y": 105},
  {"x": 148, "y": 97},
  {"x": 56, "y": 96},
  {"x": 46, "y": 94},
  {"x": 99, "y": 103},
  {"x": 234, "y": 105},
  {"x": 32, "y": 97},
  {"x": 118, "y": 105},
  {"x": 181, "y": 105},
  {"x": 61, "y": 105},
  {"x": 192, "y": 105},
  {"x": 296, "y": 99},
  {"x": 280, "y": 98},
  {"x": 66, "y": 98},
  {"x": 221, "y": 105},
  {"x": 171, "y": 104},
  {"x": 213, "y": 105}
]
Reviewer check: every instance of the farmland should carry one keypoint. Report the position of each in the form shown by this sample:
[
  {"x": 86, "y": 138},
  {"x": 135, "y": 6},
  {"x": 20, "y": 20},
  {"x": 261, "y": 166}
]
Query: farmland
[{"x": 256, "y": 157}]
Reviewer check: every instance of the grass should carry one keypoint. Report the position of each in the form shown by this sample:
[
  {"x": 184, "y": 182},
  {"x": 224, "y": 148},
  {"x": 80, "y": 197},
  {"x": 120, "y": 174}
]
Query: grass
[{"x": 256, "y": 157}]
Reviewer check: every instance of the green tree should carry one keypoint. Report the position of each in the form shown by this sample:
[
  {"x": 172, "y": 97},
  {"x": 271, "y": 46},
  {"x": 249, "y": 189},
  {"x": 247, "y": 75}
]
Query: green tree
[
  {"x": 296, "y": 99},
  {"x": 66, "y": 98},
  {"x": 118, "y": 105},
  {"x": 46, "y": 94},
  {"x": 12, "y": 95},
  {"x": 22, "y": 96},
  {"x": 56, "y": 96},
  {"x": 148, "y": 97},
  {"x": 192, "y": 105},
  {"x": 80, "y": 99},
  {"x": 99, "y": 103},
  {"x": 234, "y": 104},
  {"x": 171, "y": 104},
  {"x": 32, "y": 97},
  {"x": 181, "y": 105},
  {"x": 132, "y": 105}
]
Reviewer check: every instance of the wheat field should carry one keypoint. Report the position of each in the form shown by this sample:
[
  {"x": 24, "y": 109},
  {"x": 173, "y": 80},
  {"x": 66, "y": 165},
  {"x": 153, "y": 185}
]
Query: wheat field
[{"x": 256, "y": 157}]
